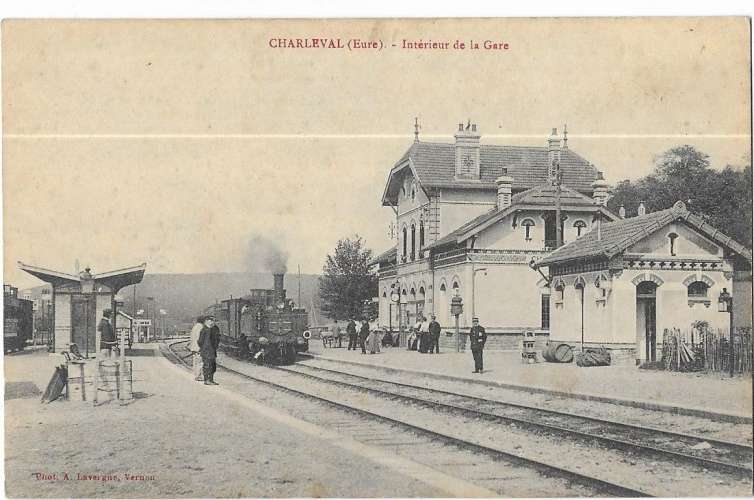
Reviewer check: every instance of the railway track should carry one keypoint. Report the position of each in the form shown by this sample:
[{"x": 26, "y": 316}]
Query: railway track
[
  {"x": 728, "y": 457},
  {"x": 474, "y": 462}
]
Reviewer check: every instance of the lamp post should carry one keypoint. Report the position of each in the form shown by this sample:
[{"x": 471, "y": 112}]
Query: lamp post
[
  {"x": 395, "y": 297},
  {"x": 725, "y": 304},
  {"x": 456, "y": 308}
]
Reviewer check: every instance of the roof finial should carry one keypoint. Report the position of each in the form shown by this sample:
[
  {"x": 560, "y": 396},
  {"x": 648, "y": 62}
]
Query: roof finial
[
  {"x": 565, "y": 136},
  {"x": 468, "y": 125},
  {"x": 416, "y": 129}
]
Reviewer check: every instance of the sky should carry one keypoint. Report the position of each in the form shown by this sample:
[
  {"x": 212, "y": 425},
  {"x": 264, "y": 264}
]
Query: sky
[{"x": 176, "y": 142}]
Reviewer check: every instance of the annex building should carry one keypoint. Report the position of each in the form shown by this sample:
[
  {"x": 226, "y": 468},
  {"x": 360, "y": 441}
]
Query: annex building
[
  {"x": 621, "y": 286},
  {"x": 471, "y": 218}
]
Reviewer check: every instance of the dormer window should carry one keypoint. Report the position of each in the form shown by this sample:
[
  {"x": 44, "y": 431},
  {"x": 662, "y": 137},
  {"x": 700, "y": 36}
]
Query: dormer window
[
  {"x": 527, "y": 225},
  {"x": 580, "y": 226},
  {"x": 672, "y": 237}
]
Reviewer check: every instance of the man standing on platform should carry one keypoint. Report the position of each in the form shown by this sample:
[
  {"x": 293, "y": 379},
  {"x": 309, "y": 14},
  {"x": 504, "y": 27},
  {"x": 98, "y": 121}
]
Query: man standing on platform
[
  {"x": 351, "y": 331},
  {"x": 196, "y": 357},
  {"x": 336, "y": 333},
  {"x": 434, "y": 333},
  {"x": 106, "y": 334},
  {"x": 209, "y": 339},
  {"x": 478, "y": 337},
  {"x": 363, "y": 335}
]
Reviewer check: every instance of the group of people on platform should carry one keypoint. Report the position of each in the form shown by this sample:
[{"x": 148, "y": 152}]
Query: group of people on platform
[
  {"x": 424, "y": 337},
  {"x": 205, "y": 339}
]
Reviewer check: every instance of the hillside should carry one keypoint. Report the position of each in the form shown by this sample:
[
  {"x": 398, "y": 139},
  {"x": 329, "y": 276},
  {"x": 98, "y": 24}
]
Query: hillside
[{"x": 184, "y": 296}]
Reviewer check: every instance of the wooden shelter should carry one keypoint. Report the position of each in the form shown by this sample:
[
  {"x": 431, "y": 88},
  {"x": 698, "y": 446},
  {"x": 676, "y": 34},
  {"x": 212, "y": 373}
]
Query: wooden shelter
[{"x": 78, "y": 302}]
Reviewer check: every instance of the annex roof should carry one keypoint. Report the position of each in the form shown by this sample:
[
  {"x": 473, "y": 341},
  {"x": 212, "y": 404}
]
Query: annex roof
[
  {"x": 536, "y": 198},
  {"x": 433, "y": 164},
  {"x": 616, "y": 237}
]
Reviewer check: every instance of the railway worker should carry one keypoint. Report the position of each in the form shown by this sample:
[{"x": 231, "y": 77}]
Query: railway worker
[
  {"x": 434, "y": 335},
  {"x": 478, "y": 337},
  {"x": 351, "y": 331},
  {"x": 196, "y": 357},
  {"x": 209, "y": 339},
  {"x": 363, "y": 335},
  {"x": 106, "y": 334}
]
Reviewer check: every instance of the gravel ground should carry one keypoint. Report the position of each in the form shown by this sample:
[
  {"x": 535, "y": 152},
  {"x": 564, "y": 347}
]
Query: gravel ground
[
  {"x": 653, "y": 476},
  {"x": 734, "y": 432},
  {"x": 714, "y": 392},
  {"x": 177, "y": 439}
]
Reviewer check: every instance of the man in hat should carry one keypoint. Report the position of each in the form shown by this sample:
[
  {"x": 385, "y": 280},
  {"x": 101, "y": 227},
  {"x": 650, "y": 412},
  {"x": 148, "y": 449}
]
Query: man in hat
[
  {"x": 477, "y": 337},
  {"x": 196, "y": 357},
  {"x": 106, "y": 334},
  {"x": 351, "y": 331},
  {"x": 209, "y": 339},
  {"x": 434, "y": 332}
]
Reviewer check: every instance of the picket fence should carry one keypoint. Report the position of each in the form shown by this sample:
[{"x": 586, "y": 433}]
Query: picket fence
[{"x": 705, "y": 349}]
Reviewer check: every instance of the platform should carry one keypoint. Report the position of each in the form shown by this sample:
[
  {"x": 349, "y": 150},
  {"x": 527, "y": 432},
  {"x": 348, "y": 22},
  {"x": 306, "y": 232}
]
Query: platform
[{"x": 689, "y": 393}]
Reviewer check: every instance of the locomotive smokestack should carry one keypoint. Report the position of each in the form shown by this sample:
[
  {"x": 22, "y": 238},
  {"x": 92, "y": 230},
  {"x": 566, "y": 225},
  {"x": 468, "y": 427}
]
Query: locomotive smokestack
[{"x": 279, "y": 287}]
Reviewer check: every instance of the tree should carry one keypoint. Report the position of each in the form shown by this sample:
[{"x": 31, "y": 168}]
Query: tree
[
  {"x": 346, "y": 281},
  {"x": 722, "y": 197}
]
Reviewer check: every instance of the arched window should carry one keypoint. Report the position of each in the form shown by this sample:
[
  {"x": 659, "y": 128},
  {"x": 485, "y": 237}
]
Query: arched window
[
  {"x": 527, "y": 225},
  {"x": 384, "y": 294},
  {"x": 698, "y": 290},
  {"x": 646, "y": 289},
  {"x": 421, "y": 235},
  {"x": 672, "y": 237},
  {"x": 413, "y": 242},
  {"x": 405, "y": 239},
  {"x": 442, "y": 287},
  {"x": 580, "y": 225}
]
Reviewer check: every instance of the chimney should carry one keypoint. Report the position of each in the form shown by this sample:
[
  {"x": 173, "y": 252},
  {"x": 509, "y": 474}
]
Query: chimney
[
  {"x": 553, "y": 154},
  {"x": 622, "y": 212},
  {"x": 600, "y": 187},
  {"x": 467, "y": 151},
  {"x": 565, "y": 136},
  {"x": 504, "y": 188},
  {"x": 642, "y": 209},
  {"x": 279, "y": 290}
]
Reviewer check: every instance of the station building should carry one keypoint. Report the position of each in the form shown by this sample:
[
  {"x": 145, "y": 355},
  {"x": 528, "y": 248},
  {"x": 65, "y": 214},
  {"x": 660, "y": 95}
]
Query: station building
[
  {"x": 622, "y": 284},
  {"x": 471, "y": 218}
]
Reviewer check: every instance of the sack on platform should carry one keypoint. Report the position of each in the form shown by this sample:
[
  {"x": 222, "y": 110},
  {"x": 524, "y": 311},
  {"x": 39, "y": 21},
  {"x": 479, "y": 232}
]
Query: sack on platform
[{"x": 593, "y": 357}]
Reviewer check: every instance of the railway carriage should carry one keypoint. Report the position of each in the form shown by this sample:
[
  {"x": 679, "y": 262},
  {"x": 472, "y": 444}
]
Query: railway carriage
[
  {"x": 263, "y": 326},
  {"x": 19, "y": 320}
]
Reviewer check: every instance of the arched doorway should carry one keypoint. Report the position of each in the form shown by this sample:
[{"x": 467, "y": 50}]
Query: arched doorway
[{"x": 646, "y": 318}]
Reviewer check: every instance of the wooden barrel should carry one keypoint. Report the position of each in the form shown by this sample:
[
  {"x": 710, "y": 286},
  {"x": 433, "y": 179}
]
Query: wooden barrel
[{"x": 563, "y": 353}]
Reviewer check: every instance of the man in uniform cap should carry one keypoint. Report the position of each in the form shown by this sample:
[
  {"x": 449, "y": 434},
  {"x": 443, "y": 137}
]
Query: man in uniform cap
[
  {"x": 478, "y": 337},
  {"x": 209, "y": 339}
]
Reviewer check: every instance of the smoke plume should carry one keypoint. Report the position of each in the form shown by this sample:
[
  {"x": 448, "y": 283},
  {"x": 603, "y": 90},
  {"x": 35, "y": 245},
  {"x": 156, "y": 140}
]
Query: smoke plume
[{"x": 264, "y": 255}]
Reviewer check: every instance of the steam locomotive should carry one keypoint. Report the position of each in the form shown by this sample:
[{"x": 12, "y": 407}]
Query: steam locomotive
[
  {"x": 263, "y": 326},
  {"x": 19, "y": 320}
]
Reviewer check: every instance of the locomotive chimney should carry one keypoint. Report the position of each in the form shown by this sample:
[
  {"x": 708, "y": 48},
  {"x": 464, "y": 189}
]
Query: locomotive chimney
[{"x": 279, "y": 287}]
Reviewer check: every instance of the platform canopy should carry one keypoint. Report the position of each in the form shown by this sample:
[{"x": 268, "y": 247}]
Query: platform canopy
[{"x": 115, "y": 280}]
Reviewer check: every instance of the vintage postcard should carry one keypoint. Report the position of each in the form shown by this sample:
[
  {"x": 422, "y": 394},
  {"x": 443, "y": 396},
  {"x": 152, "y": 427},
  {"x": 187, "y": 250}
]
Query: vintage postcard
[{"x": 377, "y": 257}]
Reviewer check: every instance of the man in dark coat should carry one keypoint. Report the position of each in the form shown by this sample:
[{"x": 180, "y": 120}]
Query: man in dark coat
[
  {"x": 106, "y": 334},
  {"x": 351, "y": 331},
  {"x": 478, "y": 337},
  {"x": 363, "y": 334},
  {"x": 209, "y": 339},
  {"x": 434, "y": 333}
]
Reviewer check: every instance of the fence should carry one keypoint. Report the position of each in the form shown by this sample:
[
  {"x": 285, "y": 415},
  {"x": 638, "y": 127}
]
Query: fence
[{"x": 704, "y": 349}]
